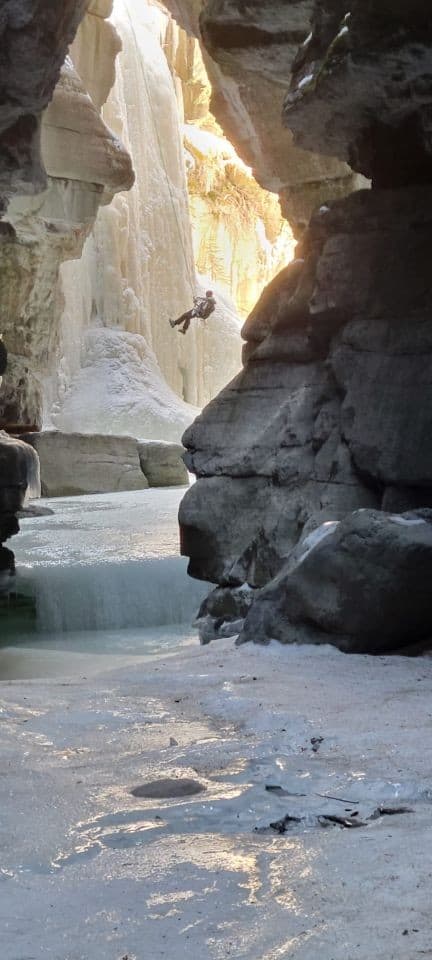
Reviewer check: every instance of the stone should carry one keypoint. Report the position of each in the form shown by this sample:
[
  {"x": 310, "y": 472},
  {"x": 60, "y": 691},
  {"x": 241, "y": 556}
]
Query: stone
[
  {"x": 74, "y": 464},
  {"x": 332, "y": 410},
  {"x": 361, "y": 89},
  {"x": 72, "y": 119},
  {"x": 222, "y": 612},
  {"x": 19, "y": 478},
  {"x": 250, "y": 50},
  {"x": 162, "y": 463},
  {"x": 35, "y": 37},
  {"x": 362, "y": 584}
]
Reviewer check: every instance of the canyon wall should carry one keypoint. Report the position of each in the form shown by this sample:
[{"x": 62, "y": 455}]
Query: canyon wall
[
  {"x": 49, "y": 216},
  {"x": 331, "y": 413}
]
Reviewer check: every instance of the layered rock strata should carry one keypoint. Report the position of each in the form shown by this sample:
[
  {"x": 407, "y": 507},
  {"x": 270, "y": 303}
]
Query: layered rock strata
[
  {"x": 332, "y": 410},
  {"x": 249, "y": 50},
  {"x": 75, "y": 464}
]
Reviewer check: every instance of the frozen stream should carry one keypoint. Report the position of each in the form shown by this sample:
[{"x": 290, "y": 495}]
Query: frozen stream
[
  {"x": 92, "y": 869},
  {"x": 106, "y": 578}
]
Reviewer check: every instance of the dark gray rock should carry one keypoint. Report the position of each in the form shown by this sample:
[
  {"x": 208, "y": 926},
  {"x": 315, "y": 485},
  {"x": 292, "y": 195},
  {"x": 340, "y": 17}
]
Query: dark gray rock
[
  {"x": 222, "y": 613},
  {"x": 34, "y": 38},
  {"x": 249, "y": 49},
  {"x": 19, "y": 476},
  {"x": 333, "y": 409},
  {"x": 362, "y": 584}
]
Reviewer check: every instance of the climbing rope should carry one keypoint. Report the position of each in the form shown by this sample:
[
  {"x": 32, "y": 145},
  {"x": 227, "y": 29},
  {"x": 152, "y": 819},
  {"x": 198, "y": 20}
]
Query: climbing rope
[{"x": 191, "y": 277}]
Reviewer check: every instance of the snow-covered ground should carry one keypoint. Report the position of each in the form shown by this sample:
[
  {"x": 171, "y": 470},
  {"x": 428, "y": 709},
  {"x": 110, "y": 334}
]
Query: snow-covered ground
[{"x": 90, "y": 872}]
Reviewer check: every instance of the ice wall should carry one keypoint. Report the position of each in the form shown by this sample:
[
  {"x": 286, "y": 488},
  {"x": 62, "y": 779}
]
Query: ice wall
[{"x": 137, "y": 268}]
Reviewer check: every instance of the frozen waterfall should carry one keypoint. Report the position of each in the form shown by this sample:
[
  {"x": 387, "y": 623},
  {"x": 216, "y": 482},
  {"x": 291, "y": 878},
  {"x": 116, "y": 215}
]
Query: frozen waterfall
[
  {"x": 121, "y": 367},
  {"x": 107, "y": 563}
]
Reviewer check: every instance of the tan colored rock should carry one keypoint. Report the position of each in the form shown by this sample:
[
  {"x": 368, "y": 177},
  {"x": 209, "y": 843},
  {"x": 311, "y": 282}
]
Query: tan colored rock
[
  {"x": 249, "y": 53},
  {"x": 93, "y": 55},
  {"x": 101, "y": 8},
  {"x": 77, "y": 463},
  {"x": 162, "y": 464},
  {"x": 72, "y": 121}
]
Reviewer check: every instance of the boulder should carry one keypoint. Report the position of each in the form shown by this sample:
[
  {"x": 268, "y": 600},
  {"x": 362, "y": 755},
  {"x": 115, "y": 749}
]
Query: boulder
[
  {"x": 362, "y": 584},
  {"x": 19, "y": 477},
  {"x": 162, "y": 463},
  {"x": 79, "y": 463},
  {"x": 222, "y": 613}
]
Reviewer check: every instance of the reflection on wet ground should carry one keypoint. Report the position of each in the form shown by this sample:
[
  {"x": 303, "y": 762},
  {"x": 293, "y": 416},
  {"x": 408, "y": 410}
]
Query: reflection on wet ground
[{"x": 192, "y": 876}]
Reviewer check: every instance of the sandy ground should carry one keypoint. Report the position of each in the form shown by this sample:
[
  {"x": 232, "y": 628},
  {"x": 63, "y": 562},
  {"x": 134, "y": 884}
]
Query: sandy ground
[{"x": 90, "y": 872}]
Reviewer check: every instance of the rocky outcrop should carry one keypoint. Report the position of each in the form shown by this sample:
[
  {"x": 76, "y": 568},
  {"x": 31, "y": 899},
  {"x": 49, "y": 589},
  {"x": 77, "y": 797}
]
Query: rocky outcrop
[
  {"x": 332, "y": 410},
  {"x": 250, "y": 50},
  {"x": 19, "y": 477},
  {"x": 162, "y": 464},
  {"x": 362, "y": 584},
  {"x": 240, "y": 238},
  {"x": 78, "y": 463},
  {"x": 49, "y": 214},
  {"x": 73, "y": 464}
]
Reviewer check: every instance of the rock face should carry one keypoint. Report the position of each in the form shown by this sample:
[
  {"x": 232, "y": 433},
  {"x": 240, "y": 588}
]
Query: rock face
[
  {"x": 78, "y": 463},
  {"x": 250, "y": 50},
  {"x": 162, "y": 464},
  {"x": 362, "y": 584},
  {"x": 48, "y": 216},
  {"x": 36, "y": 36},
  {"x": 239, "y": 237},
  {"x": 19, "y": 477},
  {"x": 332, "y": 411}
]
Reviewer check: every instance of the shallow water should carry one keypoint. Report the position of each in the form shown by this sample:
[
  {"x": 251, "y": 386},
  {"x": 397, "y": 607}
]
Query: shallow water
[{"x": 107, "y": 581}]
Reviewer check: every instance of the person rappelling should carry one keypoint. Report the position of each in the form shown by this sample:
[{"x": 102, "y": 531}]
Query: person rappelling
[{"x": 202, "y": 308}]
